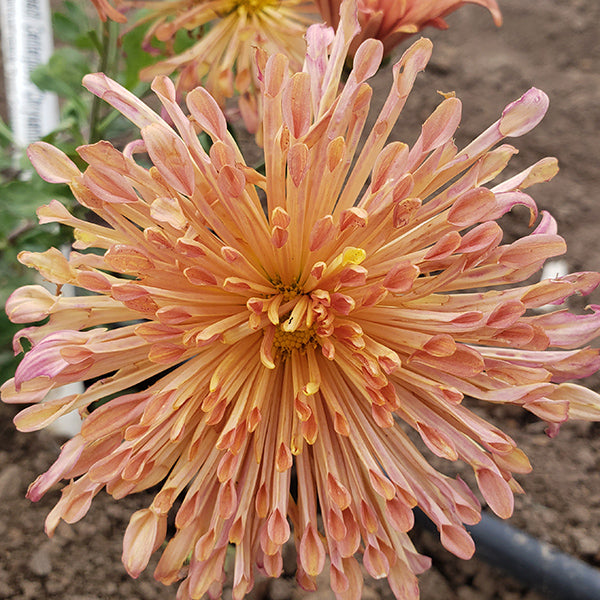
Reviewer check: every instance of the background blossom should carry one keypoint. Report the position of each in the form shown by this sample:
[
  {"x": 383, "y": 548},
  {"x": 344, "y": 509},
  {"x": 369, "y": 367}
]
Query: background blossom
[
  {"x": 392, "y": 21},
  {"x": 343, "y": 309},
  {"x": 229, "y": 33}
]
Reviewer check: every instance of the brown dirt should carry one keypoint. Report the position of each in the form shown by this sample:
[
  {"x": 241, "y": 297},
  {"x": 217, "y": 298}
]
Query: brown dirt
[{"x": 553, "y": 45}]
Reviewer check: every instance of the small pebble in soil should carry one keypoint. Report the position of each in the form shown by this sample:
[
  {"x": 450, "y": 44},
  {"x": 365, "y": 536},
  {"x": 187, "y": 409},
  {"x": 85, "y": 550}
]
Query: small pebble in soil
[{"x": 40, "y": 562}]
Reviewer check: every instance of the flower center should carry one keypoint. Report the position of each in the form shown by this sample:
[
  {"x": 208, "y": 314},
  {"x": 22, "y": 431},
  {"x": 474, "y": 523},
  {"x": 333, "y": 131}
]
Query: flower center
[
  {"x": 289, "y": 290},
  {"x": 253, "y": 6},
  {"x": 286, "y": 341}
]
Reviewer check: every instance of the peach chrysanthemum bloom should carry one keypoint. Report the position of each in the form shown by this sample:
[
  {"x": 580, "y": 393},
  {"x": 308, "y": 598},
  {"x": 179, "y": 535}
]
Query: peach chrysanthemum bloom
[
  {"x": 222, "y": 59},
  {"x": 392, "y": 21},
  {"x": 240, "y": 348}
]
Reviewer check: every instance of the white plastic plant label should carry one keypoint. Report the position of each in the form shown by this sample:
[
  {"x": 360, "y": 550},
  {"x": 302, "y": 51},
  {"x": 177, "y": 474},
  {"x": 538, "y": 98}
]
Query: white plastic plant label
[{"x": 27, "y": 43}]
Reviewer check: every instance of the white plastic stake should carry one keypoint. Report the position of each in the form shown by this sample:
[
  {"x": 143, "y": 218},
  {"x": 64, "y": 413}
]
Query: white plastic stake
[{"x": 27, "y": 43}]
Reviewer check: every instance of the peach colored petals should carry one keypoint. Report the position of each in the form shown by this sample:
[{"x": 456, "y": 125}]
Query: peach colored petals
[
  {"x": 392, "y": 21},
  {"x": 256, "y": 346},
  {"x": 229, "y": 34}
]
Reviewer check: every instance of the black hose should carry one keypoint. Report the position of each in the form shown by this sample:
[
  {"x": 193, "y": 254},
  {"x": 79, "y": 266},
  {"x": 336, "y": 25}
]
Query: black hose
[{"x": 536, "y": 564}]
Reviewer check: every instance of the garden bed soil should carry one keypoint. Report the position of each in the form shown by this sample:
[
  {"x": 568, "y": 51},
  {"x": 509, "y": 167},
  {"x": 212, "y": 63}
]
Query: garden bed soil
[{"x": 553, "y": 45}]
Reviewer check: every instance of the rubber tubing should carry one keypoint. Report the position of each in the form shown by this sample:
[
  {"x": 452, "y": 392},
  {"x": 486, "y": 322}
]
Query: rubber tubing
[{"x": 534, "y": 563}]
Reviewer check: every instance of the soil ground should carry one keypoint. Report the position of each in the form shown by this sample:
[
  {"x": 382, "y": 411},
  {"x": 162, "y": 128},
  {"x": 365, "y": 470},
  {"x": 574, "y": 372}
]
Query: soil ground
[{"x": 551, "y": 44}]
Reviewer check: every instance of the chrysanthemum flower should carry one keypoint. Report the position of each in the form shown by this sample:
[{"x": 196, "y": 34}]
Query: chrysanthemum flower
[
  {"x": 230, "y": 31},
  {"x": 392, "y": 21},
  {"x": 240, "y": 348}
]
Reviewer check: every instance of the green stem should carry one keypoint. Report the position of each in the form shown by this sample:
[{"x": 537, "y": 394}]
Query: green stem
[{"x": 96, "y": 102}]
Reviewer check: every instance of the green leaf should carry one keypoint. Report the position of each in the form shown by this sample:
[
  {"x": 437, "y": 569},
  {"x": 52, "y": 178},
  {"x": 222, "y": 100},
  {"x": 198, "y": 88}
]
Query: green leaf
[
  {"x": 94, "y": 40},
  {"x": 6, "y": 136},
  {"x": 12, "y": 275},
  {"x": 8, "y": 361},
  {"x": 63, "y": 72},
  {"x": 186, "y": 39},
  {"x": 136, "y": 57},
  {"x": 19, "y": 201},
  {"x": 72, "y": 25}
]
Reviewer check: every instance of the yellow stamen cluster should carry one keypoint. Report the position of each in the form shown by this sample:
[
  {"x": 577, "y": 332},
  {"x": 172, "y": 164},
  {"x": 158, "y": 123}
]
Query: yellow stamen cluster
[
  {"x": 287, "y": 341},
  {"x": 289, "y": 290},
  {"x": 253, "y": 6}
]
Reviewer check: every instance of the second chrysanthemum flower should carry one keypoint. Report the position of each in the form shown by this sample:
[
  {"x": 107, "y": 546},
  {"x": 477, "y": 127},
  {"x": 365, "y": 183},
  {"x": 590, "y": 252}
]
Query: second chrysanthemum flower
[
  {"x": 392, "y": 21},
  {"x": 229, "y": 33}
]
